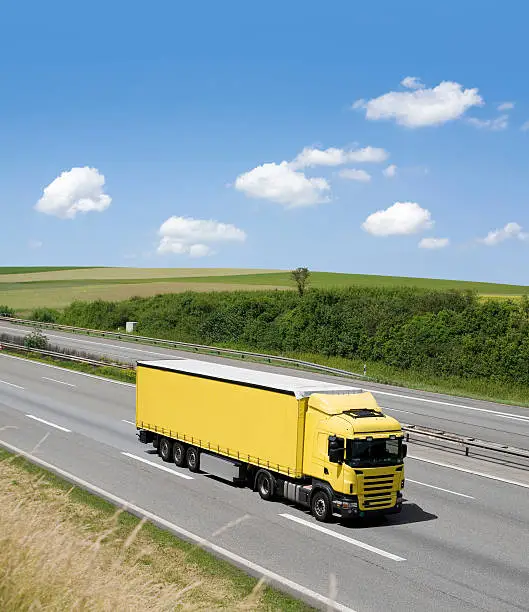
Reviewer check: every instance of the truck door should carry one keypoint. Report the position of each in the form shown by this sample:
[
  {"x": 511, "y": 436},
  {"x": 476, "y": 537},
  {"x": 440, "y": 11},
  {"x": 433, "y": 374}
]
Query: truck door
[{"x": 331, "y": 465}]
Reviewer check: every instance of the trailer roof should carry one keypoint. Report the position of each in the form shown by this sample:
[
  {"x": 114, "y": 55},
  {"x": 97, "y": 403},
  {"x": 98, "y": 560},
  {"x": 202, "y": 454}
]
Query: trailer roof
[{"x": 299, "y": 387}]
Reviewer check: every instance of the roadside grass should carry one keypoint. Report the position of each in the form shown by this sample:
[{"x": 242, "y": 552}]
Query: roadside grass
[
  {"x": 62, "y": 548},
  {"x": 128, "y": 376},
  {"x": 459, "y": 386}
]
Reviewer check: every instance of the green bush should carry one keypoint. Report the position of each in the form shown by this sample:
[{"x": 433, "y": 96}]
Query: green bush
[
  {"x": 5, "y": 311},
  {"x": 45, "y": 315},
  {"x": 36, "y": 340},
  {"x": 442, "y": 333}
]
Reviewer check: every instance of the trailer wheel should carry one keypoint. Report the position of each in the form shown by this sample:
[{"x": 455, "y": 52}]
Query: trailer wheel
[
  {"x": 321, "y": 506},
  {"x": 179, "y": 454},
  {"x": 193, "y": 459},
  {"x": 265, "y": 485},
  {"x": 166, "y": 449}
]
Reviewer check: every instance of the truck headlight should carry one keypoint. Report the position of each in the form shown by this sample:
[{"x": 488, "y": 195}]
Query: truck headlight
[{"x": 402, "y": 484}]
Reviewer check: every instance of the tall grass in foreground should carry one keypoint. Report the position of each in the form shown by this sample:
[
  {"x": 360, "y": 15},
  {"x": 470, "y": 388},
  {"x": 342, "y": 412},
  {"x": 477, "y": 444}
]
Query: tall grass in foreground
[{"x": 58, "y": 554}]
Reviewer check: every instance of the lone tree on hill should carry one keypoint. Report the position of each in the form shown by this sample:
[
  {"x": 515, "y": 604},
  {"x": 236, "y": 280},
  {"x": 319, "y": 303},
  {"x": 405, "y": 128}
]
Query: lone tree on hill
[{"x": 301, "y": 277}]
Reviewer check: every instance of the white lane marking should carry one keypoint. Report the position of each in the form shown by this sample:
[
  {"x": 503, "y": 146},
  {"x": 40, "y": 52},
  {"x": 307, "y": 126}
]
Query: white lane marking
[
  {"x": 4, "y": 382},
  {"x": 395, "y": 410},
  {"x": 460, "y": 469},
  {"x": 129, "y": 422},
  {"x": 345, "y": 538},
  {"x": 49, "y": 365},
  {"x": 424, "y": 484},
  {"x": 35, "y": 418},
  {"x": 60, "y": 382},
  {"x": 504, "y": 415},
  {"x": 160, "y": 467},
  {"x": 184, "y": 533}
]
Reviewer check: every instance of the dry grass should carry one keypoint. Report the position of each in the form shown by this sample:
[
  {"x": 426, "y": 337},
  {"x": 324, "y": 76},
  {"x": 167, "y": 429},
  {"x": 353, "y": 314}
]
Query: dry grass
[
  {"x": 58, "y": 553},
  {"x": 25, "y": 299},
  {"x": 125, "y": 273}
]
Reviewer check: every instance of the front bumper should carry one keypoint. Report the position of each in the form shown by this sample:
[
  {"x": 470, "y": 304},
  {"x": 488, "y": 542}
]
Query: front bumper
[{"x": 349, "y": 508}]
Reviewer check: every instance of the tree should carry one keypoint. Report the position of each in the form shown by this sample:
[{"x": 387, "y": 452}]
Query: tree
[{"x": 301, "y": 277}]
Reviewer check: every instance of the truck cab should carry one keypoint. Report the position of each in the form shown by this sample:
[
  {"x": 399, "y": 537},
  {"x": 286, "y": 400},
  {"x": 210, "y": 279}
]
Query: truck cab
[{"x": 354, "y": 452}]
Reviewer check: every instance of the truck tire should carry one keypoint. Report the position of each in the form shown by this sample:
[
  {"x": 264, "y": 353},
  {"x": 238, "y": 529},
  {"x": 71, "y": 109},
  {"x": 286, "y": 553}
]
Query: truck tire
[
  {"x": 321, "y": 507},
  {"x": 193, "y": 459},
  {"x": 265, "y": 485},
  {"x": 179, "y": 454},
  {"x": 166, "y": 449}
]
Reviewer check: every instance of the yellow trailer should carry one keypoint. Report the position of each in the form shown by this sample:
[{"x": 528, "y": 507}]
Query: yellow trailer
[{"x": 323, "y": 445}]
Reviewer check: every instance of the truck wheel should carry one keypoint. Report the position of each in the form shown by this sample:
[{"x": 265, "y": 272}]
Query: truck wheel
[
  {"x": 321, "y": 506},
  {"x": 266, "y": 485},
  {"x": 179, "y": 454},
  {"x": 166, "y": 449},
  {"x": 193, "y": 459}
]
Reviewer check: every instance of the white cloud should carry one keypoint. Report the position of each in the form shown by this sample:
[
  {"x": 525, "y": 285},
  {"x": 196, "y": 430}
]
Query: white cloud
[
  {"x": 422, "y": 107},
  {"x": 525, "y": 126},
  {"x": 355, "y": 175},
  {"x": 511, "y": 230},
  {"x": 434, "y": 243},
  {"x": 496, "y": 125},
  {"x": 412, "y": 83},
  {"x": 34, "y": 244},
  {"x": 187, "y": 236},
  {"x": 390, "y": 171},
  {"x": 368, "y": 154},
  {"x": 280, "y": 183},
  {"x": 311, "y": 157},
  {"x": 505, "y": 106},
  {"x": 80, "y": 190},
  {"x": 401, "y": 218}
]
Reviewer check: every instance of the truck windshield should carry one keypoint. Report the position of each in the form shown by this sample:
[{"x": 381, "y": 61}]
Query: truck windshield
[{"x": 381, "y": 451}]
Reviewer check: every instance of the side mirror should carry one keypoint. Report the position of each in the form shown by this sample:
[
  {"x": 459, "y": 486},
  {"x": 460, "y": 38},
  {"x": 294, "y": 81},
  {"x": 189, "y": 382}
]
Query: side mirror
[
  {"x": 336, "y": 449},
  {"x": 404, "y": 450}
]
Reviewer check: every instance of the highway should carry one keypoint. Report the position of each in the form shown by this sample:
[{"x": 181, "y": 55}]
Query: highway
[
  {"x": 498, "y": 423},
  {"x": 460, "y": 543}
]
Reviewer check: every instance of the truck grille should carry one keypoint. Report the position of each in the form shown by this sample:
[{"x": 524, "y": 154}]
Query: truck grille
[{"x": 378, "y": 491}]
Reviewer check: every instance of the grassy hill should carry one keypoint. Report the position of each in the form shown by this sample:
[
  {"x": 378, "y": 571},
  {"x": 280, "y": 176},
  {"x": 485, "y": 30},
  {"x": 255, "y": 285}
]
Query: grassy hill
[
  {"x": 26, "y": 288},
  {"x": 34, "y": 269}
]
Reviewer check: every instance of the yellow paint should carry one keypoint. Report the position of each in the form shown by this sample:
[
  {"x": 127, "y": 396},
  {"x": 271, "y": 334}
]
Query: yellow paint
[
  {"x": 268, "y": 428},
  {"x": 259, "y": 427}
]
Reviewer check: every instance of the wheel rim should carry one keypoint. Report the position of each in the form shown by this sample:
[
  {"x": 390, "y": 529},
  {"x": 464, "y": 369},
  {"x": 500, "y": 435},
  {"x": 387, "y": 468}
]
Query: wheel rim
[
  {"x": 164, "y": 448},
  {"x": 320, "y": 507},
  {"x": 265, "y": 488},
  {"x": 178, "y": 453},
  {"x": 192, "y": 458}
]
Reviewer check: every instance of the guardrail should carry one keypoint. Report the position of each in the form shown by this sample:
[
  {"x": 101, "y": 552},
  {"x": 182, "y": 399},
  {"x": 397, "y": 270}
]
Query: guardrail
[
  {"x": 56, "y": 355},
  {"x": 188, "y": 346},
  {"x": 463, "y": 442}
]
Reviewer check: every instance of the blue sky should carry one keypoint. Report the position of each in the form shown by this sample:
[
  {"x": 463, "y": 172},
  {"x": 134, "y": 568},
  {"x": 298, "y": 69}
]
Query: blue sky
[{"x": 188, "y": 110}]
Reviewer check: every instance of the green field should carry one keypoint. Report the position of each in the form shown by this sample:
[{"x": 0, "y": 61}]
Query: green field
[
  {"x": 322, "y": 280},
  {"x": 27, "y": 288},
  {"x": 33, "y": 269}
]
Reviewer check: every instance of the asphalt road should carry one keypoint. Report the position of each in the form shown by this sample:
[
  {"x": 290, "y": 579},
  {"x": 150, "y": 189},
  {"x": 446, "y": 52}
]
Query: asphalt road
[
  {"x": 507, "y": 425},
  {"x": 461, "y": 542}
]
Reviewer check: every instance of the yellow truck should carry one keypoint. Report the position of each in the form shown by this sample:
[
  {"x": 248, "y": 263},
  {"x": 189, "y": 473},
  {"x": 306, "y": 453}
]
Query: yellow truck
[{"x": 325, "y": 446}]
